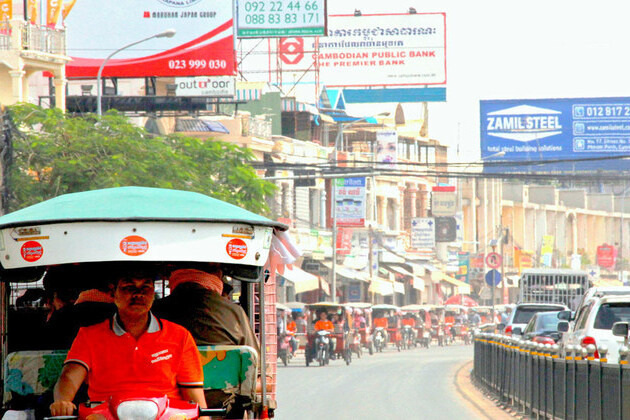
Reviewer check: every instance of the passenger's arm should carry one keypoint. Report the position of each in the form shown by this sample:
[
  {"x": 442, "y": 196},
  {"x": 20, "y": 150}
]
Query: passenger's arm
[
  {"x": 195, "y": 395},
  {"x": 72, "y": 376}
]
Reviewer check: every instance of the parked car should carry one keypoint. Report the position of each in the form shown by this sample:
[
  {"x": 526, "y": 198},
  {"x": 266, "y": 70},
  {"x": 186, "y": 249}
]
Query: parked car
[
  {"x": 543, "y": 328},
  {"x": 594, "y": 324},
  {"x": 524, "y": 312}
]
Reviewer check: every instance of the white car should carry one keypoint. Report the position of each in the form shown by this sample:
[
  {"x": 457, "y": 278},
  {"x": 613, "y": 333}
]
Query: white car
[
  {"x": 594, "y": 324},
  {"x": 598, "y": 292},
  {"x": 523, "y": 312}
]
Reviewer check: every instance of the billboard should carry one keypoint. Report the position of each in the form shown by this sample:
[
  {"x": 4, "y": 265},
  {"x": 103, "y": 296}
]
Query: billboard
[
  {"x": 281, "y": 18},
  {"x": 538, "y": 130},
  {"x": 387, "y": 148},
  {"x": 382, "y": 50},
  {"x": 350, "y": 202},
  {"x": 202, "y": 46}
]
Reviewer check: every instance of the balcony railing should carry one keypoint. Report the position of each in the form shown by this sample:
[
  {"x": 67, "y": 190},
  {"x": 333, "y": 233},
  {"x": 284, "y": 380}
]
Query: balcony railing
[{"x": 23, "y": 36}]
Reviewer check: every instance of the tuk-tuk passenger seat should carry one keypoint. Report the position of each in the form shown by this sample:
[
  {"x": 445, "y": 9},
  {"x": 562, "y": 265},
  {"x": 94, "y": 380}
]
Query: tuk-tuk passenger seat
[{"x": 30, "y": 374}]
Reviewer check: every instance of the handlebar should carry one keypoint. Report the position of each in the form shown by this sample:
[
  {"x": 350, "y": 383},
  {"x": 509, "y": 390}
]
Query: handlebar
[{"x": 210, "y": 412}]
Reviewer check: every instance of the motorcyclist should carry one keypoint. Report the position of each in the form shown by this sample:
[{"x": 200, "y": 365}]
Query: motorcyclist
[
  {"x": 291, "y": 331},
  {"x": 381, "y": 323},
  {"x": 323, "y": 324},
  {"x": 410, "y": 320}
]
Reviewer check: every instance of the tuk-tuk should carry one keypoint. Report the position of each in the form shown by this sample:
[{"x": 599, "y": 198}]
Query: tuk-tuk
[
  {"x": 158, "y": 230},
  {"x": 422, "y": 322},
  {"x": 388, "y": 317},
  {"x": 362, "y": 324},
  {"x": 329, "y": 343}
]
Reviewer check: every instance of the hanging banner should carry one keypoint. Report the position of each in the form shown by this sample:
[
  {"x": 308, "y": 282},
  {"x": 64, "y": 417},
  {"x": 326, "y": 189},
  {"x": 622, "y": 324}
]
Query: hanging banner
[
  {"x": 6, "y": 10},
  {"x": 386, "y": 147},
  {"x": 464, "y": 266},
  {"x": 67, "y": 7},
  {"x": 203, "y": 44},
  {"x": 344, "y": 241},
  {"x": 546, "y": 250},
  {"x": 53, "y": 11},
  {"x": 33, "y": 11},
  {"x": 423, "y": 233}
]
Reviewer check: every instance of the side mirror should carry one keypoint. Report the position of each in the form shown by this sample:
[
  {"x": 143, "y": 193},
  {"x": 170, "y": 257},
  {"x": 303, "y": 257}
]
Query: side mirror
[
  {"x": 620, "y": 329},
  {"x": 563, "y": 326},
  {"x": 517, "y": 331},
  {"x": 565, "y": 315}
]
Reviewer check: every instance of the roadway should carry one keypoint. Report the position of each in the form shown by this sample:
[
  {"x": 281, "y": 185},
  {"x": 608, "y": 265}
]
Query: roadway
[{"x": 416, "y": 383}]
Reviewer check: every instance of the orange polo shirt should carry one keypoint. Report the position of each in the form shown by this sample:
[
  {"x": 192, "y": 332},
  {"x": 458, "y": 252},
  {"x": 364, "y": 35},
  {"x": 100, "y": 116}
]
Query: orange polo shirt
[
  {"x": 163, "y": 359},
  {"x": 380, "y": 322},
  {"x": 292, "y": 327},
  {"x": 324, "y": 325}
]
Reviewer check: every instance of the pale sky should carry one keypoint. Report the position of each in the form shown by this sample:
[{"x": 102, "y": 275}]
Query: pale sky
[{"x": 504, "y": 49}]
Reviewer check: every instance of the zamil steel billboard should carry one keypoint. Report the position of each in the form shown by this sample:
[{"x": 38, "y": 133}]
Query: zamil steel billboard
[
  {"x": 556, "y": 135},
  {"x": 202, "y": 46}
]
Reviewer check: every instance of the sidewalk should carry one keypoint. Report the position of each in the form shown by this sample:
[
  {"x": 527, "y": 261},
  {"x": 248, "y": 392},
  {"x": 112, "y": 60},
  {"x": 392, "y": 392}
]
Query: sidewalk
[{"x": 476, "y": 400}]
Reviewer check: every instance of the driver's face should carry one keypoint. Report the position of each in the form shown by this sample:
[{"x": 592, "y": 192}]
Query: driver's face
[
  {"x": 322, "y": 316},
  {"x": 134, "y": 296}
]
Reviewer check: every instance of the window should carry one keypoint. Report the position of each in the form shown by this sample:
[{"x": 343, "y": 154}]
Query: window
[
  {"x": 609, "y": 313},
  {"x": 580, "y": 323}
]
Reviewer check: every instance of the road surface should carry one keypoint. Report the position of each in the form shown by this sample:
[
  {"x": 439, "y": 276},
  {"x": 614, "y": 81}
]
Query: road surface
[{"x": 416, "y": 383}]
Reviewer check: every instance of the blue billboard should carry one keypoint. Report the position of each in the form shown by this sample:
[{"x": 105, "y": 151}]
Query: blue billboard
[{"x": 578, "y": 131}]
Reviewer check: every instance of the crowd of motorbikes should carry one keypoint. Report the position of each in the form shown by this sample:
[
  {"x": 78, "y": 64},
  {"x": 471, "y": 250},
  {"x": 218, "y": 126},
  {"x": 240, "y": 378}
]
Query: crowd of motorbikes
[{"x": 370, "y": 328}]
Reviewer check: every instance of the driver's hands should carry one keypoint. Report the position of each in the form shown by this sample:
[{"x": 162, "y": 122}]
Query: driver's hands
[{"x": 62, "y": 408}]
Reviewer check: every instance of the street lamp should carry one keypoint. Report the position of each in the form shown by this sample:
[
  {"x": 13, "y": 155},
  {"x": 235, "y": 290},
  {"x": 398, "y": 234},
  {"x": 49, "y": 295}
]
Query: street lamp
[
  {"x": 169, "y": 33},
  {"x": 333, "y": 201}
]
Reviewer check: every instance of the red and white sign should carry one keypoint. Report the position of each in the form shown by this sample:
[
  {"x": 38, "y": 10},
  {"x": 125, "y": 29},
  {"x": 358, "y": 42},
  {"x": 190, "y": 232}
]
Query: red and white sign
[
  {"x": 134, "y": 245},
  {"x": 291, "y": 50},
  {"x": 236, "y": 248},
  {"x": 32, "y": 251},
  {"x": 383, "y": 50},
  {"x": 203, "y": 44},
  {"x": 344, "y": 241},
  {"x": 606, "y": 256},
  {"x": 493, "y": 260}
]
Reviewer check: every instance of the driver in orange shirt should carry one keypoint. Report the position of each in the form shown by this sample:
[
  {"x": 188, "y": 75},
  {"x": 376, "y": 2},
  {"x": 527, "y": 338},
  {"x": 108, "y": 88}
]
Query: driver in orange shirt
[
  {"x": 323, "y": 324},
  {"x": 292, "y": 330}
]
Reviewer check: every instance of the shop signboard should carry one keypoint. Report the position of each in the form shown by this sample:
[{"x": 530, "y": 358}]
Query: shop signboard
[
  {"x": 203, "y": 44},
  {"x": 606, "y": 256},
  {"x": 350, "y": 202},
  {"x": 213, "y": 87},
  {"x": 423, "y": 232}
]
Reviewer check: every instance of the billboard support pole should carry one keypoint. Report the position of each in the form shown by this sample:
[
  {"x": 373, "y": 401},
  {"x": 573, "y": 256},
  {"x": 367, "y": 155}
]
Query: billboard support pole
[{"x": 169, "y": 33}]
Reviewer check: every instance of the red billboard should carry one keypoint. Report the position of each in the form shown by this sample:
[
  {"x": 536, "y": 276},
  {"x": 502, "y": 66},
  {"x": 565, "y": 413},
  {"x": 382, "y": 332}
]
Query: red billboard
[{"x": 203, "y": 44}]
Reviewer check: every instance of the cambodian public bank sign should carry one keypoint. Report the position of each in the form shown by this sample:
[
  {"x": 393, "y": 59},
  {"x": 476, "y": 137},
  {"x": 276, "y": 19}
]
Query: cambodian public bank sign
[
  {"x": 574, "y": 130},
  {"x": 382, "y": 50}
]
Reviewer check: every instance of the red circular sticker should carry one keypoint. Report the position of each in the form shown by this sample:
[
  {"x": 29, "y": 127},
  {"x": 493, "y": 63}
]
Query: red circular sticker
[
  {"x": 236, "y": 248},
  {"x": 32, "y": 251},
  {"x": 134, "y": 245}
]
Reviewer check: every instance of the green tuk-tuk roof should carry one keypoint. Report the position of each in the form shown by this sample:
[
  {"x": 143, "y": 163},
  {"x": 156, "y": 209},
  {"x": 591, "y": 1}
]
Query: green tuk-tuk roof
[{"x": 133, "y": 204}]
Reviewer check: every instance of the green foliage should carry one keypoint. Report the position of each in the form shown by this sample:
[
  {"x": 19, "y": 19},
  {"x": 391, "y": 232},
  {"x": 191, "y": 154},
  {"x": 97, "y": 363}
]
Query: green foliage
[{"x": 60, "y": 154}]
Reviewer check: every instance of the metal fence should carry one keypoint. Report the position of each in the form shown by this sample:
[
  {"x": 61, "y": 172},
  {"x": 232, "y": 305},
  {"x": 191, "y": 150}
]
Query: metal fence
[{"x": 535, "y": 380}]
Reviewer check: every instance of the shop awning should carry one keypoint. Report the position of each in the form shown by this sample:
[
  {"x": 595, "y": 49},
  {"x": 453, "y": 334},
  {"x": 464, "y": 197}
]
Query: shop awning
[
  {"x": 399, "y": 287},
  {"x": 462, "y": 288},
  {"x": 302, "y": 281},
  {"x": 400, "y": 270},
  {"x": 381, "y": 287},
  {"x": 348, "y": 273},
  {"x": 418, "y": 283}
]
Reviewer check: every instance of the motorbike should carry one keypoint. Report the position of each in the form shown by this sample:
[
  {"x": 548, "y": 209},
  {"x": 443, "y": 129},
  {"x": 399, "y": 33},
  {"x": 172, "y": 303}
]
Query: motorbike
[
  {"x": 379, "y": 339},
  {"x": 322, "y": 346},
  {"x": 408, "y": 337},
  {"x": 356, "y": 344},
  {"x": 161, "y": 408},
  {"x": 284, "y": 349}
]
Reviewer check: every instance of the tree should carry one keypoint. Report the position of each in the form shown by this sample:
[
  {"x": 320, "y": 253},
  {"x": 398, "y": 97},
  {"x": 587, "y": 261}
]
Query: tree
[{"x": 58, "y": 153}]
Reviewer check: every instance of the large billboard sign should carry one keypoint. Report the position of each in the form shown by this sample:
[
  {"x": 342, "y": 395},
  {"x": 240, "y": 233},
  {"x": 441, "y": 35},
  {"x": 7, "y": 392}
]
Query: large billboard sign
[
  {"x": 539, "y": 130},
  {"x": 382, "y": 50},
  {"x": 202, "y": 46},
  {"x": 281, "y": 18}
]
